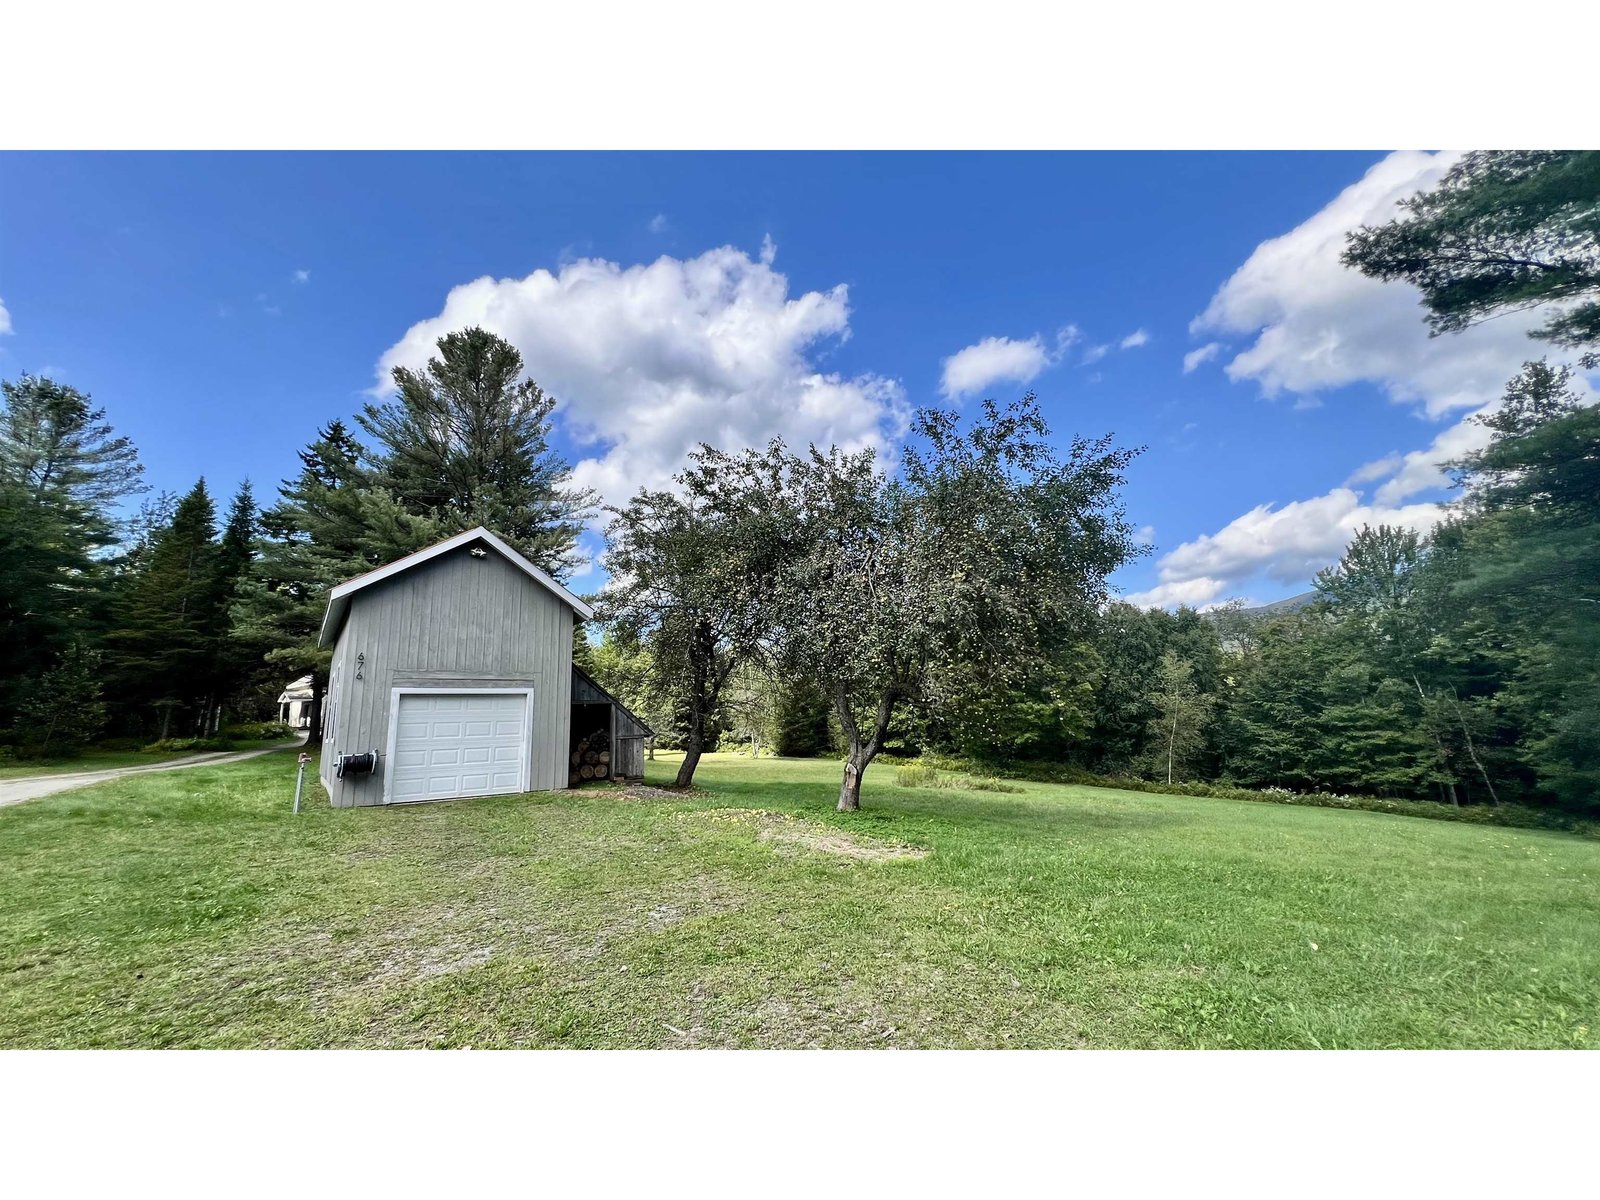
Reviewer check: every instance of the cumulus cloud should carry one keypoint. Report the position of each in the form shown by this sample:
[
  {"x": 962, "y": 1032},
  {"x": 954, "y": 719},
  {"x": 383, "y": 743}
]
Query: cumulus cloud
[
  {"x": 1378, "y": 468},
  {"x": 1422, "y": 470},
  {"x": 1135, "y": 339},
  {"x": 979, "y": 366},
  {"x": 650, "y": 359},
  {"x": 1197, "y": 358},
  {"x": 5, "y": 317},
  {"x": 301, "y": 276},
  {"x": 1319, "y": 325},
  {"x": 658, "y": 223},
  {"x": 1314, "y": 325},
  {"x": 1196, "y": 593},
  {"x": 1287, "y": 545}
]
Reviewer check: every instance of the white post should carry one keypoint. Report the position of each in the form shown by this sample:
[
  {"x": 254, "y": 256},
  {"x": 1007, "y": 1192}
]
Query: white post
[{"x": 300, "y": 779}]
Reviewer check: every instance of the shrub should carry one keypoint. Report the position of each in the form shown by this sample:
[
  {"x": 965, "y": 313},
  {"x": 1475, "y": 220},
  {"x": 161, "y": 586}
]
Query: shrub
[
  {"x": 191, "y": 745},
  {"x": 120, "y": 744},
  {"x": 918, "y": 774},
  {"x": 257, "y": 731}
]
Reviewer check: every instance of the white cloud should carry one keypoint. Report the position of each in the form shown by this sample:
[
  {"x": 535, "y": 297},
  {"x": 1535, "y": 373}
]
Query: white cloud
[
  {"x": 648, "y": 360},
  {"x": 658, "y": 223},
  {"x": 1196, "y": 358},
  {"x": 979, "y": 366},
  {"x": 1380, "y": 468},
  {"x": 1135, "y": 339},
  {"x": 1287, "y": 545},
  {"x": 1196, "y": 593},
  {"x": 5, "y": 318},
  {"x": 1095, "y": 353},
  {"x": 301, "y": 276},
  {"x": 1145, "y": 535},
  {"x": 1320, "y": 325},
  {"x": 1421, "y": 470}
]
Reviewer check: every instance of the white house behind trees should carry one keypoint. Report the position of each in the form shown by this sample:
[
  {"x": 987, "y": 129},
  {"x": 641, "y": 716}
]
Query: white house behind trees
[{"x": 452, "y": 676}]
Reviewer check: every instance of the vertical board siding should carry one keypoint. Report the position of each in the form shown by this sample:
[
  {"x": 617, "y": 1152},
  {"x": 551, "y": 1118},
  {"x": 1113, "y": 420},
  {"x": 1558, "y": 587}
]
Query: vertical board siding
[{"x": 455, "y": 621}]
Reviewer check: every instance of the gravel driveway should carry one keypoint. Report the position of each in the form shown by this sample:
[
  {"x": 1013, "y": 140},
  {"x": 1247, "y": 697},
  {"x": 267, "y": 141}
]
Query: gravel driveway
[{"x": 15, "y": 791}]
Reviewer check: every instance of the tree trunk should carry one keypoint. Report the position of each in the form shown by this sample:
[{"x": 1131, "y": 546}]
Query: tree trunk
[
  {"x": 691, "y": 759},
  {"x": 1472, "y": 751},
  {"x": 862, "y": 751},
  {"x": 855, "y": 766}
]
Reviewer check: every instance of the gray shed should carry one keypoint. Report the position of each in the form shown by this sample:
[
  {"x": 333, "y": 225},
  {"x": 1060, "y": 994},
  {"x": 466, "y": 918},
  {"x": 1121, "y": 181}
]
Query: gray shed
[{"x": 452, "y": 676}]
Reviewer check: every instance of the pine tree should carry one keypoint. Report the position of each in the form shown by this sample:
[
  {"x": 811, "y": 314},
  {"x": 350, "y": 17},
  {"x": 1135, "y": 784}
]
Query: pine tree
[
  {"x": 161, "y": 651},
  {"x": 62, "y": 472},
  {"x": 466, "y": 441},
  {"x": 235, "y": 552},
  {"x": 329, "y": 524}
]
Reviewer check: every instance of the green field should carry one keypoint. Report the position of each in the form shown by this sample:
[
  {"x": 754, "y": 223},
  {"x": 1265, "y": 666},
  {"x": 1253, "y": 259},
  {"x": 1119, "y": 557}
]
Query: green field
[{"x": 192, "y": 909}]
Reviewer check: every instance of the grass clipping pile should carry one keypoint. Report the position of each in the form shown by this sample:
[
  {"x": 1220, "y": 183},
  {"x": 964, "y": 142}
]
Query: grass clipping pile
[{"x": 788, "y": 834}]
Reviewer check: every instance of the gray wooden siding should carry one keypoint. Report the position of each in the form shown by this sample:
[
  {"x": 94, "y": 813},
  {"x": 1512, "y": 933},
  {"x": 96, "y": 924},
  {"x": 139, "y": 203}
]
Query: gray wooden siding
[
  {"x": 627, "y": 756},
  {"x": 457, "y": 621}
]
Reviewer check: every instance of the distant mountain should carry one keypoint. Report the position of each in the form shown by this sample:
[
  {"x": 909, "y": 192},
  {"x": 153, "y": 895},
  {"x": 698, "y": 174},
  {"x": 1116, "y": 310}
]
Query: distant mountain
[
  {"x": 1276, "y": 608},
  {"x": 1287, "y": 604}
]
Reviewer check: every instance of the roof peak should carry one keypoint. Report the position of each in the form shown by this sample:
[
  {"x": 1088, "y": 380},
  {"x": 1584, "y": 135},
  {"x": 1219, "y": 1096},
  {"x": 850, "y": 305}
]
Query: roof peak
[{"x": 339, "y": 598}]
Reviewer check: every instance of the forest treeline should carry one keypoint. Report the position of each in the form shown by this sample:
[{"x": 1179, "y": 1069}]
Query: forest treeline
[{"x": 812, "y": 602}]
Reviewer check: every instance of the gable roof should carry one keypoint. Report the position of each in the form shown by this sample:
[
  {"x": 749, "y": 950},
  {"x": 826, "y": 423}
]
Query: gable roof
[{"x": 339, "y": 598}]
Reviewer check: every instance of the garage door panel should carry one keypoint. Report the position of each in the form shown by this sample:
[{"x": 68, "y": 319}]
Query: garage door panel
[{"x": 452, "y": 745}]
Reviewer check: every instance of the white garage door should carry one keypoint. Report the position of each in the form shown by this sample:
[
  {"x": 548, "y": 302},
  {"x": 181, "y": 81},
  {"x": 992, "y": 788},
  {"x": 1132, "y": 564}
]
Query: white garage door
[{"x": 450, "y": 744}]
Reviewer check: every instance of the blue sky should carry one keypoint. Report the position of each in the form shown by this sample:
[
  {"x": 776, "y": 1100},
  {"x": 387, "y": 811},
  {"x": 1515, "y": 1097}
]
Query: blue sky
[{"x": 223, "y": 306}]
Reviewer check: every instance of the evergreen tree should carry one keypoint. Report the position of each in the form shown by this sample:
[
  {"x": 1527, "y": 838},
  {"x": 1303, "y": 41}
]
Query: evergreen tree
[
  {"x": 230, "y": 665},
  {"x": 1503, "y": 230},
  {"x": 800, "y": 721},
  {"x": 465, "y": 442},
  {"x": 62, "y": 472},
  {"x": 161, "y": 652},
  {"x": 1529, "y": 562},
  {"x": 61, "y": 710}
]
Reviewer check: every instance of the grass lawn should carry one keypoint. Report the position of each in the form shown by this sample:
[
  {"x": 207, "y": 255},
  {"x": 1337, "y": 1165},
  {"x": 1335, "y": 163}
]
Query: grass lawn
[
  {"x": 109, "y": 760},
  {"x": 192, "y": 909}
]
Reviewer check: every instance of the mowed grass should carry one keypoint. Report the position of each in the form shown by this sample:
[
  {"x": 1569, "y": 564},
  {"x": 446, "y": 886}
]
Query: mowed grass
[{"x": 192, "y": 909}]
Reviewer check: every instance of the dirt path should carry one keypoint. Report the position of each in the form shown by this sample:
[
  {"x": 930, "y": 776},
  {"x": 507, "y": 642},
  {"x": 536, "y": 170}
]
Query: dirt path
[{"x": 15, "y": 791}]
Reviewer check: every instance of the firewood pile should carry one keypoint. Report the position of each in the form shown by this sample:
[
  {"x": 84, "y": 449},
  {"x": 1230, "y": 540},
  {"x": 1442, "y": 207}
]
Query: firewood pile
[{"x": 591, "y": 759}]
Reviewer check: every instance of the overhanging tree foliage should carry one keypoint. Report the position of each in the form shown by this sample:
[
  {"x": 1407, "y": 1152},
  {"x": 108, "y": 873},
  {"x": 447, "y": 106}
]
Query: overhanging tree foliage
[{"x": 1504, "y": 230}]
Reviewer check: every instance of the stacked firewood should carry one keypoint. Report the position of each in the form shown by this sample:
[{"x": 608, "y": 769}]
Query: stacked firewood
[{"x": 591, "y": 759}]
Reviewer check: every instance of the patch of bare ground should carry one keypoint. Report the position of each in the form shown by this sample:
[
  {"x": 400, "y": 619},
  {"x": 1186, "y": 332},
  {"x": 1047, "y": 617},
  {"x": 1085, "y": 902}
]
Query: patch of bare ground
[
  {"x": 646, "y": 793},
  {"x": 789, "y": 834}
]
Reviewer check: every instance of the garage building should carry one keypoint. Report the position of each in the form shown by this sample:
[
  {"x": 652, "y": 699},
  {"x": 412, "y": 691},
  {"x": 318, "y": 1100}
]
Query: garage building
[{"x": 452, "y": 676}]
